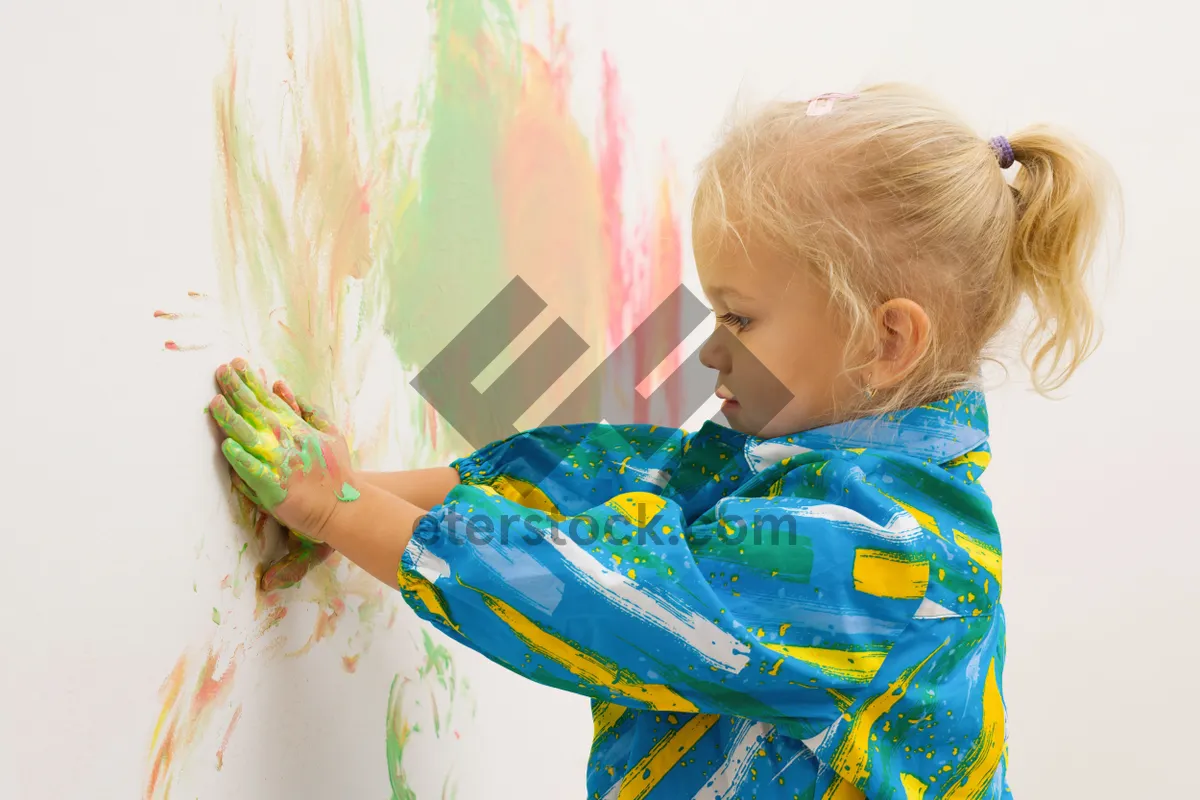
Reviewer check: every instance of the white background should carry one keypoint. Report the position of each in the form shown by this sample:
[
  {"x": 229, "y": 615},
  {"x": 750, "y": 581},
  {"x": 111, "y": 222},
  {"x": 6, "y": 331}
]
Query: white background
[{"x": 109, "y": 473}]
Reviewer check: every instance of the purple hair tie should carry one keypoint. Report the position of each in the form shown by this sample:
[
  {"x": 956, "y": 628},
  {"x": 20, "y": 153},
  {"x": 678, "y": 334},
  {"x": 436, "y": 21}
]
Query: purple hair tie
[{"x": 1004, "y": 151}]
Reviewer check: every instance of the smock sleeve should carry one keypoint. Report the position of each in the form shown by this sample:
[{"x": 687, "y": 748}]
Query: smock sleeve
[{"x": 776, "y": 607}]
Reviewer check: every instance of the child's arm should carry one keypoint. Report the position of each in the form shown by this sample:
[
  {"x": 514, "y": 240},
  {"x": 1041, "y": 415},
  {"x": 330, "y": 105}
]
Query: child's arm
[
  {"x": 424, "y": 488},
  {"x": 631, "y": 600},
  {"x": 373, "y": 530}
]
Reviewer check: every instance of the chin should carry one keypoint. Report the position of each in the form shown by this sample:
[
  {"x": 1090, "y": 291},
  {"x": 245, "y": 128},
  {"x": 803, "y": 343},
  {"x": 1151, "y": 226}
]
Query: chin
[{"x": 737, "y": 419}]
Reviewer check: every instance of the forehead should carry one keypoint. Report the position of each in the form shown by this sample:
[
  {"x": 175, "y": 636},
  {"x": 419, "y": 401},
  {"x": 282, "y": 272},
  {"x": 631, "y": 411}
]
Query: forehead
[{"x": 733, "y": 268}]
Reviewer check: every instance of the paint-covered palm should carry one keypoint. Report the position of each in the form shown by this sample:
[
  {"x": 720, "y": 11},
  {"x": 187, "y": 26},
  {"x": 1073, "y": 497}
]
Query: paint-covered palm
[{"x": 287, "y": 457}]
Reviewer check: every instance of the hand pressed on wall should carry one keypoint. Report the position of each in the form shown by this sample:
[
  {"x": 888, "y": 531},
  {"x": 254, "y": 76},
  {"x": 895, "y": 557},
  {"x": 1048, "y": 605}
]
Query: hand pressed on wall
[{"x": 288, "y": 459}]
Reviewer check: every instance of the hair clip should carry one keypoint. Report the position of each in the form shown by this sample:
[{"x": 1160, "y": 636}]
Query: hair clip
[{"x": 823, "y": 104}]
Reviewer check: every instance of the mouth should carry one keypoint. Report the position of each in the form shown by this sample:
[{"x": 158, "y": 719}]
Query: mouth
[{"x": 729, "y": 401}]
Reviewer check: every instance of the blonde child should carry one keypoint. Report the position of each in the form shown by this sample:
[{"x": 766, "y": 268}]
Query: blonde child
[{"x": 803, "y": 604}]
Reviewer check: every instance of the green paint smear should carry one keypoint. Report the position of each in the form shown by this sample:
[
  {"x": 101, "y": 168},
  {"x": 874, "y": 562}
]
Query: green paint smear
[
  {"x": 397, "y": 736},
  {"x": 439, "y": 661},
  {"x": 216, "y": 616},
  {"x": 364, "y": 83},
  {"x": 269, "y": 492},
  {"x": 310, "y": 453},
  {"x": 348, "y": 494},
  {"x": 450, "y": 262}
]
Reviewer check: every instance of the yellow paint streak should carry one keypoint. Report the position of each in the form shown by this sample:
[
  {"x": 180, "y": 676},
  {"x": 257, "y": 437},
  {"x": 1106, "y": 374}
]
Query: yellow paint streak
[
  {"x": 589, "y": 667},
  {"x": 427, "y": 593},
  {"x": 980, "y": 458},
  {"x": 926, "y": 521},
  {"x": 842, "y": 700},
  {"x": 525, "y": 494},
  {"x": 884, "y": 574},
  {"x": 983, "y": 555},
  {"x": 974, "y": 774},
  {"x": 638, "y": 507},
  {"x": 914, "y": 789},
  {"x": 665, "y": 754},
  {"x": 173, "y": 685},
  {"x": 842, "y": 790},
  {"x": 850, "y": 758},
  {"x": 604, "y": 716},
  {"x": 850, "y": 665}
]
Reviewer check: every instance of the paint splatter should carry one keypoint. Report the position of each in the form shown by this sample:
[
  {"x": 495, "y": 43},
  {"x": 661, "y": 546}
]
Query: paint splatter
[
  {"x": 397, "y": 732},
  {"x": 438, "y": 661},
  {"x": 185, "y": 716},
  {"x": 237, "y": 715},
  {"x": 354, "y": 241},
  {"x": 174, "y": 346}
]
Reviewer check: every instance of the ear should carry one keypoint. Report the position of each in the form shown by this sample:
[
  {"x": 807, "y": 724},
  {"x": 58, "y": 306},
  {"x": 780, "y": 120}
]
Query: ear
[{"x": 903, "y": 329}]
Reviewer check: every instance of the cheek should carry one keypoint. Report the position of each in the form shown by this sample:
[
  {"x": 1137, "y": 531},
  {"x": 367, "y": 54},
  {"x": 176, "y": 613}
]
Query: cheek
[{"x": 805, "y": 358}]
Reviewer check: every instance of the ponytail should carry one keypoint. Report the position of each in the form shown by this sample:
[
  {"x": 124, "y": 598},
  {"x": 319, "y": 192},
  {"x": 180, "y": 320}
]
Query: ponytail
[
  {"x": 1062, "y": 191},
  {"x": 886, "y": 194}
]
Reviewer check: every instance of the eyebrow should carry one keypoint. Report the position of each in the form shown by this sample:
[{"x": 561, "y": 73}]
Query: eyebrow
[{"x": 728, "y": 293}]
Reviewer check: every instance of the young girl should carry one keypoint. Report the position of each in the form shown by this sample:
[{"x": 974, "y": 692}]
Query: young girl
[{"x": 804, "y": 604}]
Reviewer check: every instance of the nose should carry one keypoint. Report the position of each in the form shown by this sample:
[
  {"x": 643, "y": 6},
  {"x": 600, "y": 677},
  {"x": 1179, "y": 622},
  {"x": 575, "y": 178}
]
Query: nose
[{"x": 714, "y": 353}]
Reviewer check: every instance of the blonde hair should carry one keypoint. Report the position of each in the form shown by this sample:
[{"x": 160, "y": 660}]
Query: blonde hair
[{"x": 891, "y": 196}]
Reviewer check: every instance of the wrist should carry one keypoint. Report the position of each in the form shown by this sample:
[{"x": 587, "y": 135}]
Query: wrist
[
  {"x": 373, "y": 530},
  {"x": 355, "y": 501}
]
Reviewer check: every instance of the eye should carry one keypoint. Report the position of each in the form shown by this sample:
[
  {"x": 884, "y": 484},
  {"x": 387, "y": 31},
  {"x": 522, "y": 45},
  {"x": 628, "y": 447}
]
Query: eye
[{"x": 734, "y": 321}]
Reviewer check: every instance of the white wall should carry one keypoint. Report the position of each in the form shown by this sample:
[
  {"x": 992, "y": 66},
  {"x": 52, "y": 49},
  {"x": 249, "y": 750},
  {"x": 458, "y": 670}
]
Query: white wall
[{"x": 105, "y": 194}]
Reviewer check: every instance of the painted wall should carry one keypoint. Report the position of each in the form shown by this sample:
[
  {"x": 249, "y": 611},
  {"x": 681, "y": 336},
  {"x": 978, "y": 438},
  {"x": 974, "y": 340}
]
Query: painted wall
[{"x": 146, "y": 147}]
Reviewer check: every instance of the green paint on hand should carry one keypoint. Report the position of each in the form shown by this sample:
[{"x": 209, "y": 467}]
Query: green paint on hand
[
  {"x": 310, "y": 453},
  {"x": 216, "y": 617},
  {"x": 265, "y": 484},
  {"x": 348, "y": 493}
]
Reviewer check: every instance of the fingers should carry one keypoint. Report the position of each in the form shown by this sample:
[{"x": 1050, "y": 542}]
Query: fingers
[
  {"x": 308, "y": 412},
  {"x": 289, "y": 570},
  {"x": 254, "y": 382},
  {"x": 260, "y": 444},
  {"x": 258, "y": 477},
  {"x": 244, "y": 402},
  {"x": 315, "y": 417},
  {"x": 232, "y": 423},
  {"x": 285, "y": 394}
]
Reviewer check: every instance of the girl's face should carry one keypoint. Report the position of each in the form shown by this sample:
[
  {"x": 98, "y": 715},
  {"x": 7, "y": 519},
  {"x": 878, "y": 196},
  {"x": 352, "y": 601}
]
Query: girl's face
[{"x": 778, "y": 349}]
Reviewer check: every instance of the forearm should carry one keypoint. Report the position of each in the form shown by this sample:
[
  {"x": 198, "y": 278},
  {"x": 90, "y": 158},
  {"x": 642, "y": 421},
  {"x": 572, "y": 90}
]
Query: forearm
[
  {"x": 424, "y": 488},
  {"x": 373, "y": 530}
]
